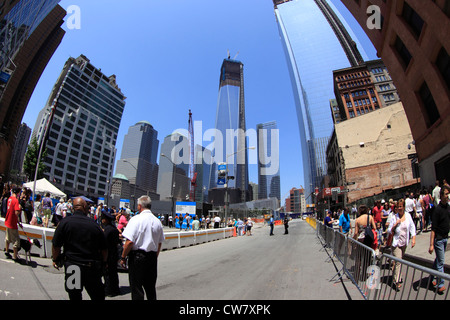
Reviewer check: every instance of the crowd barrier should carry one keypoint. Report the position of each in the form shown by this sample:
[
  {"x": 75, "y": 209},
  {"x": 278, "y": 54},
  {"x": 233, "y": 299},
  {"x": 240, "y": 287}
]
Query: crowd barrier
[
  {"x": 173, "y": 240},
  {"x": 373, "y": 275},
  {"x": 188, "y": 238}
]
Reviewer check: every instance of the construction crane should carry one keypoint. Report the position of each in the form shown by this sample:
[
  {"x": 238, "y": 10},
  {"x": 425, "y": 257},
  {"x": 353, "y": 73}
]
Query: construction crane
[{"x": 192, "y": 173}]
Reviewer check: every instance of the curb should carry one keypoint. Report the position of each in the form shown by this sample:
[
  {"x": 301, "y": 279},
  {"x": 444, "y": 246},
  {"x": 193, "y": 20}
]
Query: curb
[{"x": 424, "y": 262}]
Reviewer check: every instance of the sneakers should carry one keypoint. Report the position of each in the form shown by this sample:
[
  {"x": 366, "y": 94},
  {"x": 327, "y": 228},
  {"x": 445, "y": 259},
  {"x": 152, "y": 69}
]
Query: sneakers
[{"x": 441, "y": 290}]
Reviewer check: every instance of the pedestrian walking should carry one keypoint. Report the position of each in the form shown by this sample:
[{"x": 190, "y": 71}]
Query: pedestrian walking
[
  {"x": 240, "y": 227},
  {"x": 286, "y": 225},
  {"x": 328, "y": 221},
  {"x": 440, "y": 227},
  {"x": 216, "y": 222},
  {"x": 180, "y": 222},
  {"x": 11, "y": 223},
  {"x": 344, "y": 222},
  {"x": 170, "y": 221},
  {"x": 402, "y": 228},
  {"x": 436, "y": 193},
  {"x": 271, "y": 223},
  {"x": 85, "y": 253},
  {"x": 38, "y": 214},
  {"x": 58, "y": 215},
  {"x": 47, "y": 205},
  {"x": 196, "y": 224},
  {"x": 188, "y": 219},
  {"x": 249, "y": 227},
  {"x": 113, "y": 242},
  {"x": 144, "y": 236}
]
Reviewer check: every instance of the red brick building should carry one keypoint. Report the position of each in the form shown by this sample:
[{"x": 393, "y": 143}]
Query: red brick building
[{"x": 413, "y": 41}]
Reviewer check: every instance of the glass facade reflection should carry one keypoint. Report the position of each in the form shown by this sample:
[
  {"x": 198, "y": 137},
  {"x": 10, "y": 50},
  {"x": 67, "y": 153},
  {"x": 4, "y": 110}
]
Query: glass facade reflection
[
  {"x": 308, "y": 31},
  {"x": 19, "y": 24}
]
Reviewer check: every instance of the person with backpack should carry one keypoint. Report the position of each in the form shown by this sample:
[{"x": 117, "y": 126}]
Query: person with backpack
[{"x": 365, "y": 221}]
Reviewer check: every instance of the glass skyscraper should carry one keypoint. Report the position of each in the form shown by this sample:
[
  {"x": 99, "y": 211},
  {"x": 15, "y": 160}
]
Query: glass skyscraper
[
  {"x": 231, "y": 146},
  {"x": 268, "y": 161},
  {"x": 30, "y": 33},
  {"x": 316, "y": 41},
  {"x": 83, "y": 115},
  {"x": 138, "y": 159}
]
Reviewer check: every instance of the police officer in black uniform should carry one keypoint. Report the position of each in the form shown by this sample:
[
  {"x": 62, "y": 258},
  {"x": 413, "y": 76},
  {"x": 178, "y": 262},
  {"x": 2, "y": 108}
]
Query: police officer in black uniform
[
  {"x": 85, "y": 253},
  {"x": 113, "y": 242}
]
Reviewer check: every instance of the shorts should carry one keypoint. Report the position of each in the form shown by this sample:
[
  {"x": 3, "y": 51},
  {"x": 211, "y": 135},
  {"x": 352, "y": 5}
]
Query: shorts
[
  {"x": 47, "y": 213},
  {"x": 12, "y": 236}
]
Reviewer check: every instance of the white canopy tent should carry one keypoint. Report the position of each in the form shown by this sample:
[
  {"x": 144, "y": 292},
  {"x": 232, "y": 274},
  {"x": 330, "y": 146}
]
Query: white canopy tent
[{"x": 43, "y": 186}]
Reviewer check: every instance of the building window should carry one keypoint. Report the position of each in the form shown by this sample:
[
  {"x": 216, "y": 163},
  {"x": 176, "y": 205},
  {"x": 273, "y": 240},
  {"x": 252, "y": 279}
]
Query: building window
[
  {"x": 413, "y": 20},
  {"x": 443, "y": 65},
  {"x": 403, "y": 52},
  {"x": 429, "y": 105}
]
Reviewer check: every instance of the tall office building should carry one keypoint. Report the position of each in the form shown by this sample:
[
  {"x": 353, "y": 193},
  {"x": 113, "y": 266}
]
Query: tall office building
[
  {"x": 30, "y": 32},
  {"x": 230, "y": 122},
  {"x": 203, "y": 169},
  {"x": 316, "y": 41},
  {"x": 268, "y": 161},
  {"x": 82, "y": 117},
  {"x": 173, "y": 176},
  {"x": 138, "y": 159}
]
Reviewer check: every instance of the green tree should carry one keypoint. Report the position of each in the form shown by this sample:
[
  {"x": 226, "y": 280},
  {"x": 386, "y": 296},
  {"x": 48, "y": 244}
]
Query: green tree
[{"x": 31, "y": 156}]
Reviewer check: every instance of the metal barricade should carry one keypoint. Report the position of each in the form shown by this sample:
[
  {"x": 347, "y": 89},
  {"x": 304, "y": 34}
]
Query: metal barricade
[
  {"x": 360, "y": 261},
  {"x": 416, "y": 281},
  {"x": 373, "y": 276}
]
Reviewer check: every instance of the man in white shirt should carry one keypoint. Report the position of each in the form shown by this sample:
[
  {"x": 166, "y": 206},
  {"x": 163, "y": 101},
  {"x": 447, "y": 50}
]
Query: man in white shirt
[
  {"x": 144, "y": 236},
  {"x": 436, "y": 193},
  {"x": 216, "y": 222},
  {"x": 410, "y": 204}
]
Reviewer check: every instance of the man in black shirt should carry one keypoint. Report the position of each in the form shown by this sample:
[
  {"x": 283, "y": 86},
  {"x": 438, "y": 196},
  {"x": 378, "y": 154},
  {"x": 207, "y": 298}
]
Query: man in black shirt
[
  {"x": 440, "y": 227},
  {"x": 85, "y": 253},
  {"x": 113, "y": 242}
]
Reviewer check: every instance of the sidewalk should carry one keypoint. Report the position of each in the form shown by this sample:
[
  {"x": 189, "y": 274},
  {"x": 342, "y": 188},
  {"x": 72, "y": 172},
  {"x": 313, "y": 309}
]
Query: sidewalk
[{"x": 420, "y": 255}]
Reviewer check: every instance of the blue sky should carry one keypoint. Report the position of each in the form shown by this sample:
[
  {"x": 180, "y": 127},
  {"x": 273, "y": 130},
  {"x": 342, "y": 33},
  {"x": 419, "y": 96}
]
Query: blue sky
[{"x": 167, "y": 57}]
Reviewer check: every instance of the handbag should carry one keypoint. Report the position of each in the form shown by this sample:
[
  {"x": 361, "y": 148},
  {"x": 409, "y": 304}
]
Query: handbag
[{"x": 369, "y": 236}]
